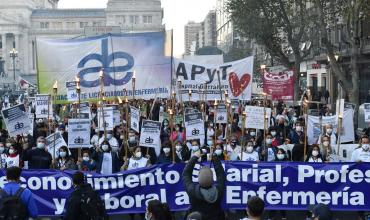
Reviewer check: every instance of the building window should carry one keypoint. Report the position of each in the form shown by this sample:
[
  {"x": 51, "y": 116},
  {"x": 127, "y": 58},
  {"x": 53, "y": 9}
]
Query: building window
[
  {"x": 97, "y": 23},
  {"x": 121, "y": 19},
  {"x": 84, "y": 24},
  {"x": 71, "y": 25},
  {"x": 44, "y": 25},
  {"x": 147, "y": 19},
  {"x": 134, "y": 19}
]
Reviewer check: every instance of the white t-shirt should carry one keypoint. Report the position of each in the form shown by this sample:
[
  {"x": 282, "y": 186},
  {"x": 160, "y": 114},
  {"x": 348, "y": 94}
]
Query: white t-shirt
[
  {"x": 311, "y": 160},
  {"x": 12, "y": 161},
  {"x": 106, "y": 167},
  {"x": 135, "y": 164},
  {"x": 249, "y": 156},
  {"x": 270, "y": 154},
  {"x": 360, "y": 154},
  {"x": 210, "y": 133},
  {"x": 233, "y": 153}
]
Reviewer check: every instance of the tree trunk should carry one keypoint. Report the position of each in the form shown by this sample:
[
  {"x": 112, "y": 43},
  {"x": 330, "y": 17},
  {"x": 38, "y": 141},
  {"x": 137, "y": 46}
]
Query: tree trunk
[
  {"x": 297, "y": 66},
  {"x": 355, "y": 92}
]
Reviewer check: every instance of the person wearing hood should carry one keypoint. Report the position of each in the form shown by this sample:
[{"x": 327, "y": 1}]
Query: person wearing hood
[
  {"x": 205, "y": 196},
  {"x": 107, "y": 162},
  {"x": 38, "y": 158}
]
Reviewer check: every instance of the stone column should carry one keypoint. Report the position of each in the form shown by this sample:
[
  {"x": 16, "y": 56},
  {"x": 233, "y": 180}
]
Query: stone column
[
  {"x": 25, "y": 56},
  {"x": 5, "y": 51}
]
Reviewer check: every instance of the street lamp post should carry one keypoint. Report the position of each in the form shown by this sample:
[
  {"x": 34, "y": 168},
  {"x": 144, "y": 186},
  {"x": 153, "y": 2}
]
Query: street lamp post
[{"x": 13, "y": 54}]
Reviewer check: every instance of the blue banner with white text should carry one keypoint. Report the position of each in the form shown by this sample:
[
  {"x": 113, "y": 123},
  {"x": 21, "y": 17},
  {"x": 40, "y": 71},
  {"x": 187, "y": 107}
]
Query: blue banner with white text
[{"x": 283, "y": 186}]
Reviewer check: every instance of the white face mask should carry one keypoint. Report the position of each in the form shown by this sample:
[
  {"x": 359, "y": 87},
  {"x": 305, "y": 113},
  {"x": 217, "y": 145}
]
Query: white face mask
[
  {"x": 121, "y": 137},
  {"x": 325, "y": 143},
  {"x": 177, "y": 129},
  {"x": 218, "y": 152},
  {"x": 209, "y": 143},
  {"x": 166, "y": 150},
  {"x": 249, "y": 149},
  {"x": 253, "y": 133},
  {"x": 315, "y": 153},
  {"x": 104, "y": 147},
  {"x": 329, "y": 130},
  {"x": 365, "y": 147},
  {"x": 178, "y": 147},
  {"x": 195, "y": 148},
  {"x": 109, "y": 136},
  {"x": 268, "y": 141},
  {"x": 86, "y": 158},
  {"x": 96, "y": 131},
  {"x": 273, "y": 133},
  {"x": 138, "y": 154},
  {"x": 8, "y": 144},
  {"x": 41, "y": 145},
  {"x": 63, "y": 154},
  {"x": 132, "y": 139},
  {"x": 280, "y": 156},
  {"x": 11, "y": 151}
]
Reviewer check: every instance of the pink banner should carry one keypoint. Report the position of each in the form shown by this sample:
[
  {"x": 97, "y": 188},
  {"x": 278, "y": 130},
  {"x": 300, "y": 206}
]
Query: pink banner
[{"x": 279, "y": 84}]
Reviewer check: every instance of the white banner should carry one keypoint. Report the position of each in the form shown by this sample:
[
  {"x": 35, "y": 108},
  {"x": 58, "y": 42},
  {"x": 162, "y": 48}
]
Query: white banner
[
  {"x": 72, "y": 95},
  {"x": 347, "y": 132},
  {"x": 16, "y": 120},
  {"x": 255, "y": 117},
  {"x": 42, "y": 108},
  {"x": 234, "y": 77},
  {"x": 108, "y": 119},
  {"x": 56, "y": 140},
  {"x": 79, "y": 133},
  {"x": 367, "y": 112},
  {"x": 150, "y": 134},
  {"x": 221, "y": 114},
  {"x": 194, "y": 126},
  {"x": 31, "y": 118},
  {"x": 116, "y": 115},
  {"x": 135, "y": 119}
]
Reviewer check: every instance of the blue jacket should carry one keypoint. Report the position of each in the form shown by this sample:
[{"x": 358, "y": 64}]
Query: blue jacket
[{"x": 27, "y": 198}]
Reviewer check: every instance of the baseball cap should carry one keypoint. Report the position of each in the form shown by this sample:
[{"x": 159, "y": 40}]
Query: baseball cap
[{"x": 320, "y": 211}]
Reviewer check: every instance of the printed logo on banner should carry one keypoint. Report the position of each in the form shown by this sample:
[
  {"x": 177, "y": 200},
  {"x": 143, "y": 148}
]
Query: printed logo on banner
[
  {"x": 106, "y": 59},
  {"x": 149, "y": 140},
  {"x": 79, "y": 140},
  {"x": 17, "y": 120},
  {"x": 19, "y": 125}
]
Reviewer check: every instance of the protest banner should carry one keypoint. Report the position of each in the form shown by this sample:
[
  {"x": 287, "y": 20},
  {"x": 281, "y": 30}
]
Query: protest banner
[
  {"x": 348, "y": 105},
  {"x": 79, "y": 133},
  {"x": 367, "y": 112},
  {"x": 221, "y": 116},
  {"x": 31, "y": 118},
  {"x": 194, "y": 126},
  {"x": 255, "y": 117},
  {"x": 143, "y": 53},
  {"x": 16, "y": 120},
  {"x": 72, "y": 95},
  {"x": 177, "y": 119},
  {"x": 108, "y": 119},
  {"x": 347, "y": 132},
  {"x": 283, "y": 186},
  {"x": 43, "y": 104},
  {"x": 150, "y": 134},
  {"x": 54, "y": 140},
  {"x": 135, "y": 119},
  {"x": 279, "y": 84},
  {"x": 234, "y": 77},
  {"x": 116, "y": 115}
]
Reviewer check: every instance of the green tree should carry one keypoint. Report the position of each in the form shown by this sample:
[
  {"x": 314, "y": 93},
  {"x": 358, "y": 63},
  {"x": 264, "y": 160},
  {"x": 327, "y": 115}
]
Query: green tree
[{"x": 281, "y": 26}]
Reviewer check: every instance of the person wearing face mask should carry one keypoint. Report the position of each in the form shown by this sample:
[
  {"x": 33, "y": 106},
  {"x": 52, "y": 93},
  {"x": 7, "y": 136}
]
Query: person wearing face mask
[
  {"x": 84, "y": 202},
  {"x": 233, "y": 149},
  {"x": 38, "y": 158},
  {"x": 182, "y": 151},
  {"x": 95, "y": 138},
  {"x": 194, "y": 147},
  {"x": 107, "y": 162},
  {"x": 276, "y": 138},
  {"x": 281, "y": 155},
  {"x": 178, "y": 134},
  {"x": 166, "y": 155},
  {"x": 296, "y": 134},
  {"x": 165, "y": 131},
  {"x": 328, "y": 151},
  {"x": 282, "y": 127},
  {"x": 86, "y": 163},
  {"x": 249, "y": 153},
  {"x": 219, "y": 152},
  {"x": 3, "y": 155},
  {"x": 268, "y": 152},
  {"x": 328, "y": 131},
  {"x": 362, "y": 154},
  {"x": 136, "y": 161},
  {"x": 314, "y": 156},
  {"x": 210, "y": 131},
  {"x": 13, "y": 159},
  {"x": 64, "y": 161},
  {"x": 132, "y": 141},
  {"x": 112, "y": 141}
]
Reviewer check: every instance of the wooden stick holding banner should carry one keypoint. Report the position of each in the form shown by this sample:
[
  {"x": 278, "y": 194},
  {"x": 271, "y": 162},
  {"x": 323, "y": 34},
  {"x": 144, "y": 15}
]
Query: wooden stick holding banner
[
  {"x": 340, "y": 110},
  {"x": 265, "y": 123},
  {"x": 55, "y": 92},
  {"x": 170, "y": 111},
  {"x": 78, "y": 109},
  {"x": 48, "y": 119},
  {"x": 127, "y": 122},
  {"x": 215, "y": 119},
  {"x": 243, "y": 130},
  {"x": 305, "y": 111},
  {"x": 219, "y": 83},
  {"x": 205, "y": 102},
  {"x": 102, "y": 99},
  {"x": 227, "y": 104},
  {"x": 133, "y": 85},
  {"x": 179, "y": 90},
  {"x": 189, "y": 94}
]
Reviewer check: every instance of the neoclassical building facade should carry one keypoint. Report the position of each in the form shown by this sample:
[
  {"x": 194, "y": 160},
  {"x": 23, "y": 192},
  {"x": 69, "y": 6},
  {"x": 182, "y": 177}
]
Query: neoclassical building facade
[{"x": 23, "y": 21}]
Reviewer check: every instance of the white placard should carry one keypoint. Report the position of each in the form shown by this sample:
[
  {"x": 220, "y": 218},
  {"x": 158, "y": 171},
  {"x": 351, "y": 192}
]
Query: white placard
[
  {"x": 116, "y": 115},
  {"x": 150, "y": 134},
  {"x": 367, "y": 112},
  {"x": 255, "y": 117},
  {"x": 79, "y": 133},
  {"x": 54, "y": 140},
  {"x": 108, "y": 119},
  {"x": 72, "y": 95},
  {"x": 135, "y": 119},
  {"x": 194, "y": 126},
  {"x": 221, "y": 114},
  {"x": 16, "y": 120},
  {"x": 42, "y": 108}
]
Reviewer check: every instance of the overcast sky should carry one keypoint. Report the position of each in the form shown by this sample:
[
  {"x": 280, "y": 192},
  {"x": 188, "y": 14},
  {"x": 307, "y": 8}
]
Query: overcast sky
[{"x": 176, "y": 14}]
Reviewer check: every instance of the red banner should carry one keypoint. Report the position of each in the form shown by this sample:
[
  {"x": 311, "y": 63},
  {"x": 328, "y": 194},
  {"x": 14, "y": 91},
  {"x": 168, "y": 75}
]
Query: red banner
[{"x": 279, "y": 84}]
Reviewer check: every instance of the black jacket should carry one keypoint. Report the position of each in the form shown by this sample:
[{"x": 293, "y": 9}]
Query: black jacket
[
  {"x": 73, "y": 207},
  {"x": 98, "y": 157},
  {"x": 205, "y": 201},
  {"x": 37, "y": 159}
]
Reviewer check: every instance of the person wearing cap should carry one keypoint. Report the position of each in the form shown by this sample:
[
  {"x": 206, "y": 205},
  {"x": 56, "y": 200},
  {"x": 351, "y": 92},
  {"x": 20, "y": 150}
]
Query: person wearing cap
[
  {"x": 205, "y": 197},
  {"x": 320, "y": 212}
]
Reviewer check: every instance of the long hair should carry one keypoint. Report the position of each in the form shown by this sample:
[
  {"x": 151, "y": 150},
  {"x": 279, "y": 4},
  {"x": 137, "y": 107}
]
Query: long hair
[{"x": 160, "y": 211}]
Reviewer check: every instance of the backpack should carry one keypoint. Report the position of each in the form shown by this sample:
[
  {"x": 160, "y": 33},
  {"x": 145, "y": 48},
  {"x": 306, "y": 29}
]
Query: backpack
[
  {"x": 91, "y": 206},
  {"x": 12, "y": 207}
]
